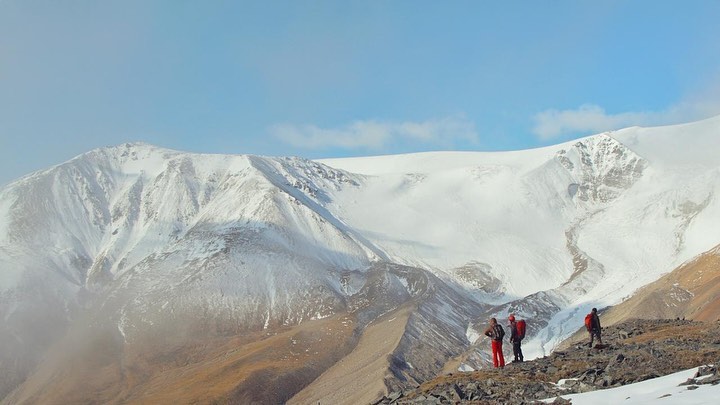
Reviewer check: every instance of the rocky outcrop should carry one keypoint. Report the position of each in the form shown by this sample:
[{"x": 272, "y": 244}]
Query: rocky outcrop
[{"x": 634, "y": 351}]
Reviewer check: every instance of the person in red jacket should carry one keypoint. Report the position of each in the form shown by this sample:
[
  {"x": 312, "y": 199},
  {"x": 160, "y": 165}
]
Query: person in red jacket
[
  {"x": 496, "y": 332},
  {"x": 595, "y": 329},
  {"x": 515, "y": 339}
]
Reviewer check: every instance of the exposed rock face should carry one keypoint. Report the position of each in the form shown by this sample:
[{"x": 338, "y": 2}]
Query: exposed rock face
[
  {"x": 435, "y": 332},
  {"x": 603, "y": 167},
  {"x": 635, "y": 351},
  {"x": 478, "y": 276}
]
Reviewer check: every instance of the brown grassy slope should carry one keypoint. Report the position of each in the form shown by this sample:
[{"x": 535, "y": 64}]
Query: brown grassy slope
[
  {"x": 264, "y": 368},
  {"x": 359, "y": 377},
  {"x": 90, "y": 361},
  {"x": 691, "y": 291}
]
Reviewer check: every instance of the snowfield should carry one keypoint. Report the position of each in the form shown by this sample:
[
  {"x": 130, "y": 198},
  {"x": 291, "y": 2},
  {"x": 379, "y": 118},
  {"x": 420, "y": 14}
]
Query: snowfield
[
  {"x": 622, "y": 207},
  {"x": 144, "y": 236},
  {"x": 660, "y": 390}
]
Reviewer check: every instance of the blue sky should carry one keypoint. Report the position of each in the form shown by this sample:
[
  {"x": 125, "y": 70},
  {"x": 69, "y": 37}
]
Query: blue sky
[{"x": 344, "y": 78}]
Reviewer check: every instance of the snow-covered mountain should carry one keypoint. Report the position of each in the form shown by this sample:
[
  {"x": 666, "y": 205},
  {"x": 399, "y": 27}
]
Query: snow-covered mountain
[{"x": 139, "y": 238}]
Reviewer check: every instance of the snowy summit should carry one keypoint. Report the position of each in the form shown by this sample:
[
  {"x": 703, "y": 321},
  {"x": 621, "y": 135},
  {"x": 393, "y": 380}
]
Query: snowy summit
[{"x": 139, "y": 238}]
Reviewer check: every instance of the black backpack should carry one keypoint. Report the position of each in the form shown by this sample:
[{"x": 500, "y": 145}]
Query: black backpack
[{"x": 499, "y": 332}]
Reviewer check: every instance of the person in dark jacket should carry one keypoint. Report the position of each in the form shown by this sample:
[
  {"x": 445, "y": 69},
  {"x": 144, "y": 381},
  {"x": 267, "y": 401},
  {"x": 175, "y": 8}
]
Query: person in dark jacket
[
  {"x": 595, "y": 328},
  {"x": 515, "y": 340},
  {"x": 496, "y": 332}
]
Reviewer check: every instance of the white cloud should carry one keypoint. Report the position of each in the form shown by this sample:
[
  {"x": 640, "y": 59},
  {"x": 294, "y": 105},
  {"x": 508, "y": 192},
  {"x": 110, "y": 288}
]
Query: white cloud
[
  {"x": 590, "y": 118},
  {"x": 372, "y": 134}
]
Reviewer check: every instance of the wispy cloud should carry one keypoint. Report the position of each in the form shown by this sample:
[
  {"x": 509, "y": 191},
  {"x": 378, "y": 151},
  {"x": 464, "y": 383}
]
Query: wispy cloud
[
  {"x": 553, "y": 123},
  {"x": 371, "y": 134},
  {"x": 590, "y": 118}
]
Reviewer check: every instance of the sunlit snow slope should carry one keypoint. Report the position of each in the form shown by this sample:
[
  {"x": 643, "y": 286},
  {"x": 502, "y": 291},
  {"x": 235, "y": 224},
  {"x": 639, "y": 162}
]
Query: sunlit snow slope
[
  {"x": 586, "y": 222},
  {"x": 640, "y": 201},
  {"x": 145, "y": 235}
]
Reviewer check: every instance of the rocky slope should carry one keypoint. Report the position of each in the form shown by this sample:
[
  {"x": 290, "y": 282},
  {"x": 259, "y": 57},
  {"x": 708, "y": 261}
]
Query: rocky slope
[
  {"x": 167, "y": 257},
  {"x": 636, "y": 350}
]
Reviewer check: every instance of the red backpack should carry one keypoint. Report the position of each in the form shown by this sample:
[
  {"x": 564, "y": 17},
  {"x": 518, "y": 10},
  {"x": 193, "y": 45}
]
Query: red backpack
[
  {"x": 588, "y": 322},
  {"x": 521, "y": 329}
]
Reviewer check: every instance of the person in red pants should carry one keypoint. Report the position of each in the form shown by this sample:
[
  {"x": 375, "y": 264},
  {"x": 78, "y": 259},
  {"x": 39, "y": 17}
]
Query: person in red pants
[{"x": 496, "y": 332}]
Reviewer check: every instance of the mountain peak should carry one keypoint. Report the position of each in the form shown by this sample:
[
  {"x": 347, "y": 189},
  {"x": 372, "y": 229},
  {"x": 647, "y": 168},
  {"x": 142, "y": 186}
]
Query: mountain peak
[{"x": 142, "y": 238}]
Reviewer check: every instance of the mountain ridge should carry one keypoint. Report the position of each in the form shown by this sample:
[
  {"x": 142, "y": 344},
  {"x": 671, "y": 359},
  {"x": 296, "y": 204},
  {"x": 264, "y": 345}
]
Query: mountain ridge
[{"x": 147, "y": 239}]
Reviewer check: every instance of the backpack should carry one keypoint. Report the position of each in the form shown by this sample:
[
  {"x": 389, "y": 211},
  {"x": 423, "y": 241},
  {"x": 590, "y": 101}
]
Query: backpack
[
  {"x": 521, "y": 329},
  {"x": 498, "y": 333},
  {"x": 588, "y": 322}
]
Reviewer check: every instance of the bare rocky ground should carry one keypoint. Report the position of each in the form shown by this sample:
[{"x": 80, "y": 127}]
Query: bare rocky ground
[{"x": 635, "y": 350}]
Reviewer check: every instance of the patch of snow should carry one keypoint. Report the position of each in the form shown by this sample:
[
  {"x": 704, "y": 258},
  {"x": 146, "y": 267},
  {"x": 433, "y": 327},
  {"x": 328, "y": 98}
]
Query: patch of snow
[
  {"x": 660, "y": 390},
  {"x": 471, "y": 334},
  {"x": 319, "y": 316}
]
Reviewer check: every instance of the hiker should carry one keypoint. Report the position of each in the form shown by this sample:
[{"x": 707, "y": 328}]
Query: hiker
[
  {"x": 517, "y": 333},
  {"x": 593, "y": 326},
  {"x": 496, "y": 332}
]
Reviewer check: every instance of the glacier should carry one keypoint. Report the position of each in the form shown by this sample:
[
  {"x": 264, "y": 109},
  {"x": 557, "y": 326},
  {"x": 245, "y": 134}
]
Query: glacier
[{"x": 142, "y": 238}]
